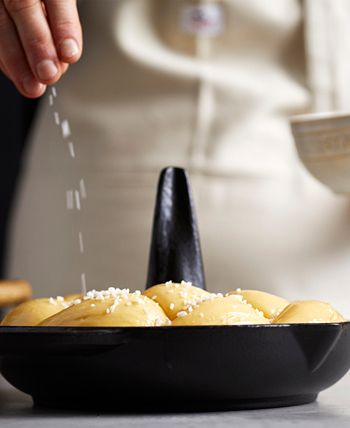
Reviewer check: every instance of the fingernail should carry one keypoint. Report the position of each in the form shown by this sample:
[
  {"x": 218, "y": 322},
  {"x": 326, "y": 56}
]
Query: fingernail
[
  {"x": 69, "y": 48},
  {"x": 32, "y": 86},
  {"x": 46, "y": 69}
]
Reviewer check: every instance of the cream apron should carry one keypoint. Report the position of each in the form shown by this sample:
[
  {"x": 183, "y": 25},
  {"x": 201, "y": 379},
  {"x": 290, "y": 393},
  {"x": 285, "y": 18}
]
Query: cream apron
[{"x": 152, "y": 90}]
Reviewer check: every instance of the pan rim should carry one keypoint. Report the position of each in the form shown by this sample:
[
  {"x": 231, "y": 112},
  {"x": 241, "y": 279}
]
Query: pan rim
[{"x": 114, "y": 329}]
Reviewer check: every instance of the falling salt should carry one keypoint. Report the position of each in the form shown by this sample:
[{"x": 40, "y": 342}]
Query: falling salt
[
  {"x": 66, "y": 132},
  {"x": 83, "y": 189},
  {"x": 71, "y": 149},
  {"x": 81, "y": 242},
  {"x": 70, "y": 200},
  {"x": 83, "y": 283},
  {"x": 57, "y": 118},
  {"x": 72, "y": 196},
  {"x": 77, "y": 199}
]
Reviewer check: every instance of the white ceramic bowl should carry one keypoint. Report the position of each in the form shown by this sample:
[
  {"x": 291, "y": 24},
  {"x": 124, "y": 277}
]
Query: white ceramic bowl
[{"x": 323, "y": 144}]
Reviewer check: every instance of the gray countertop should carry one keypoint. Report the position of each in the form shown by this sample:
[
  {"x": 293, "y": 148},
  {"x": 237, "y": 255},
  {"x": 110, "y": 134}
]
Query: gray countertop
[{"x": 332, "y": 409}]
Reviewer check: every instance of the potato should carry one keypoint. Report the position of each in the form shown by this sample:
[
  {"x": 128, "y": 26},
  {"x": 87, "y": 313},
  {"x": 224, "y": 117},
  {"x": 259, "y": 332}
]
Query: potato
[
  {"x": 176, "y": 297},
  {"x": 227, "y": 310},
  {"x": 111, "y": 309},
  {"x": 308, "y": 311},
  {"x": 33, "y": 312},
  {"x": 267, "y": 303}
]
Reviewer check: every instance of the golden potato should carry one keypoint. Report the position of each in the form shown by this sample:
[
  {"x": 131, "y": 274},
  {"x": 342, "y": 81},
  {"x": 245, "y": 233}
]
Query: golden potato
[
  {"x": 308, "y": 311},
  {"x": 176, "y": 297},
  {"x": 111, "y": 308},
  {"x": 227, "y": 310},
  {"x": 31, "y": 313},
  {"x": 15, "y": 291},
  {"x": 267, "y": 303}
]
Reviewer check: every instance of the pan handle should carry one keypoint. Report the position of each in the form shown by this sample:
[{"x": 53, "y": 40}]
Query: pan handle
[{"x": 175, "y": 252}]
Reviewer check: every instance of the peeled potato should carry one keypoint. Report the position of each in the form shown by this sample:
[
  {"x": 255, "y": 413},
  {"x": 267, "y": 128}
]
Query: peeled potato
[
  {"x": 227, "y": 310},
  {"x": 111, "y": 311},
  {"x": 33, "y": 312},
  {"x": 267, "y": 303},
  {"x": 308, "y": 311},
  {"x": 176, "y": 297},
  {"x": 182, "y": 303}
]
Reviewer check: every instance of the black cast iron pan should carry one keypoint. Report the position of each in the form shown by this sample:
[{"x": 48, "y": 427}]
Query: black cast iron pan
[{"x": 175, "y": 368}]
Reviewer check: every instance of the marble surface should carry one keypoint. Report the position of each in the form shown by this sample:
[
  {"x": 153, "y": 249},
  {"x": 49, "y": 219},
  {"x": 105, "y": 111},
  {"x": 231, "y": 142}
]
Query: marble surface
[{"x": 332, "y": 409}]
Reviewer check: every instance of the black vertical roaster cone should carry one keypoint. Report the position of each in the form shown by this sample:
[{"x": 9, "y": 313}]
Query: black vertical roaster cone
[{"x": 175, "y": 252}]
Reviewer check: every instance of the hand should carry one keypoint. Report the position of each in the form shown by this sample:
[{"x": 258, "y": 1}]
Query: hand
[{"x": 38, "y": 41}]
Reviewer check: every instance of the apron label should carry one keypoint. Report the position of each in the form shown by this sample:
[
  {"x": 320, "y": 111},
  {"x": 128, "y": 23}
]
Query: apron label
[{"x": 204, "y": 20}]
